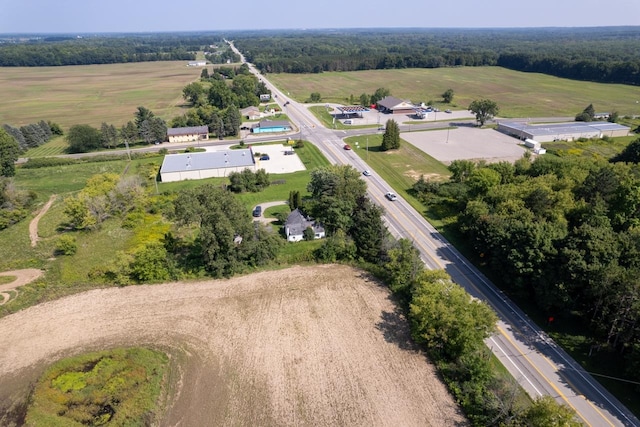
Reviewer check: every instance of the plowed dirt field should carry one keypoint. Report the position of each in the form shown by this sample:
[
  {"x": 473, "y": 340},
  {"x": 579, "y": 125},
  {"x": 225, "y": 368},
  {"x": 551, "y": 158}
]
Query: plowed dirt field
[{"x": 317, "y": 346}]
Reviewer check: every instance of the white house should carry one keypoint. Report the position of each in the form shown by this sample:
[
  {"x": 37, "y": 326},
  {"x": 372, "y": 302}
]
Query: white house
[{"x": 296, "y": 224}]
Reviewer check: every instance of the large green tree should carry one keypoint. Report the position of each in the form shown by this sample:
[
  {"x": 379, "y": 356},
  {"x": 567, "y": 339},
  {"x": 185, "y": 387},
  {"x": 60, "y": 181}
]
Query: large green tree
[
  {"x": 484, "y": 109},
  {"x": 335, "y": 191},
  {"x": 446, "y": 318},
  {"x": 391, "y": 137},
  {"x": 83, "y": 138},
  {"x": 9, "y": 152},
  {"x": 228, "y": 241}
]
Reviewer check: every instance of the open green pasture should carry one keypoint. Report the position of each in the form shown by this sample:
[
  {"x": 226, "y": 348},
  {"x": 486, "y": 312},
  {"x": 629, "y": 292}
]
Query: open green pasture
[
  {"x": 92, "y": 94},
  {"x": 400, "y": 168},
  {"x": 518, "y": 94}
]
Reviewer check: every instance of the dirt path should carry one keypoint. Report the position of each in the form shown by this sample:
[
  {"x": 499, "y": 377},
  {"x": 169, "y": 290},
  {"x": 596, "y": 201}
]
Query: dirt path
[
  {"x": 33, "y": 225},
  {"x": 304, "y": 346},
  {"x": 22, "y": 278}
]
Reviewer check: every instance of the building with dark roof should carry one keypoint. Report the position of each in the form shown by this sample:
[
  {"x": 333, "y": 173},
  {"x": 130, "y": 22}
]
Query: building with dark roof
[
  {"x": 210, "y": 164},
  {"x": 188, "y": 134},
  {"x": 297, "y": 222}
]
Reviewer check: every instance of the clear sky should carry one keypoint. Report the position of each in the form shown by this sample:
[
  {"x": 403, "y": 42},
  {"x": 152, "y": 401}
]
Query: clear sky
[{"x": 94, "y": 16}]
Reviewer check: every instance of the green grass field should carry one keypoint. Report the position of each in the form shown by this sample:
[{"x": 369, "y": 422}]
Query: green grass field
[
  {"x": 92, "y": 94},
  {"x": 518, "y": 94}
]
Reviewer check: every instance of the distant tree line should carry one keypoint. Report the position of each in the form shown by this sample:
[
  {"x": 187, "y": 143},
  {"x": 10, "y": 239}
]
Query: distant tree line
[
  {"x": 103, "y": 49},
  {"x": 606, "y": 54}
]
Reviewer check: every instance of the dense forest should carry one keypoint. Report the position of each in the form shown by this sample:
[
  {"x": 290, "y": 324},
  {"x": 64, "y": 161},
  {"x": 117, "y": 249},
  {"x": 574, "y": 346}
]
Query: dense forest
[
  {"x": 603, "y": 54},
  {"x": 558, "y": 231}
]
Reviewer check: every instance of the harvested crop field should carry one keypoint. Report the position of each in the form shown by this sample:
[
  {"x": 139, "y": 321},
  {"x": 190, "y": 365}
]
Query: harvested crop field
[{"x": 320, "y": 345}]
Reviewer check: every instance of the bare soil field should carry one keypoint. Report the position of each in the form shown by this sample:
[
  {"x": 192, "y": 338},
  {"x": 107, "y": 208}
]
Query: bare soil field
[
  {"x": 319, "y": 346},
  {"x": 92, "y": 94}
]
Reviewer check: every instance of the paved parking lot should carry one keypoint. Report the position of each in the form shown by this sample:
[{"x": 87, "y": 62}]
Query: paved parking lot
[
  {"x": 467, "y": 143},
  {"x": 278, "y": 162}
]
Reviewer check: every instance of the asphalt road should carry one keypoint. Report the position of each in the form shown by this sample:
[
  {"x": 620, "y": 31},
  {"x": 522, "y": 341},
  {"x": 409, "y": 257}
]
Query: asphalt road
[{"x": 538, "y": 364}]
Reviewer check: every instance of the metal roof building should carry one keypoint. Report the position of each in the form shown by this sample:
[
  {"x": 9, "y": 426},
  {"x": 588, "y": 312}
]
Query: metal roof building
[
  {"x": 211, "y": 164},
  {"x": 562, "y": 131}
]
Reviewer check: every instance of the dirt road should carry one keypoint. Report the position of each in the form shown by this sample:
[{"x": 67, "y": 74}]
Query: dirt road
[{"x": 303, "y": 346}]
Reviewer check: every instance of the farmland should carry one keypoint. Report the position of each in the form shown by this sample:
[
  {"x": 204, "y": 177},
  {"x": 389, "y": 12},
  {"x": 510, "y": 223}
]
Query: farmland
[
  {"x": 92, "y": 94},
  {"x": 518, "y": 94},
  {"x": 320, "y": 345}
]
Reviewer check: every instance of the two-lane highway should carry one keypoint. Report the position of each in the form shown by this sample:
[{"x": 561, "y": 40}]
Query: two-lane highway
[{"x": 537, "y": 363}]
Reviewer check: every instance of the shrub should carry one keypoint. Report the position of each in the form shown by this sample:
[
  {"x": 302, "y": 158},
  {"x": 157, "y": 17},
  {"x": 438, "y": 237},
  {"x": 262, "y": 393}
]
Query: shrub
[{"x": 66, "y": 245}]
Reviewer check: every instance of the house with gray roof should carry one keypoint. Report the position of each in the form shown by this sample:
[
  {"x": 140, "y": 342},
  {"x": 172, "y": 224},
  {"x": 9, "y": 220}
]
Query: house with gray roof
[
  {"x": 187, "y": 134},
  {"x": 297, "y": 222},
  {"x": 393, "y": 105},
  {"x": 210, "y": 164}
]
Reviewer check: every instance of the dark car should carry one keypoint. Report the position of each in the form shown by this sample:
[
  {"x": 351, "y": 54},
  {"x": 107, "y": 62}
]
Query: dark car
[
  {"x": 257, "y": 211},
  {"x": 264, "y": 157},
  {"x": 347, "y": 147}
]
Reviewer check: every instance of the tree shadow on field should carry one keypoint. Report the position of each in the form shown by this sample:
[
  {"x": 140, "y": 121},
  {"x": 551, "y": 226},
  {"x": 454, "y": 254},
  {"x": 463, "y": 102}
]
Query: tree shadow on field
[{"x": 395, "y": 329}]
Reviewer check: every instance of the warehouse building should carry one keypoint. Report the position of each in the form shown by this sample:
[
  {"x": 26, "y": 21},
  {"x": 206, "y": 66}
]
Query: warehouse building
[
  {"x": 210, "y": 164},
  {"x": 562, "y": 131}
]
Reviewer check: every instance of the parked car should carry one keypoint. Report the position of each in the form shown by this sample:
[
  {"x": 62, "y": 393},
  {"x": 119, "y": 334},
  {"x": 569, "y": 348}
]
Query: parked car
[
  {"x": 257, "y": 211},
  {"x": 447, "y": 111},
  {"x": 366, "y": 172},
  {"x": 347, "y": 147},
  {"x": 264, "y": 157},
  {"x": 391, "y": 196}
]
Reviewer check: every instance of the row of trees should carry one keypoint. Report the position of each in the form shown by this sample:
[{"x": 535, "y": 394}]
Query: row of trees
[
  {"x": 146, "y": 127},
  {"x": 34, "y": 134},
  {"x": 562, "y": 232}
]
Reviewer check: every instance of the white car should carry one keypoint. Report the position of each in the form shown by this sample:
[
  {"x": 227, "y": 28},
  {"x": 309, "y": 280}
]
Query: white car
[
  {"x": 391, "y": 196},
  {"x": 366, "y": 172}
]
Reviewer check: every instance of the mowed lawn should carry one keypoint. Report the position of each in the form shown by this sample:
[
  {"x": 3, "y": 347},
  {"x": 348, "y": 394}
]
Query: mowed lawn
[
  {"x": 518, "y": 94},
  {"x": 92, "y": 94}
]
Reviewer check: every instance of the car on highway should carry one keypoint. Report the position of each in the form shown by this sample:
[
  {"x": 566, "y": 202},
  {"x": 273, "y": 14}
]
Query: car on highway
[
  {"x": 447, "y": 111},
  {"x": 366, "y": 172},
  {"x": 257, "y": 211},
  {"x": 347, "y": 147},
  {"x": 391, "y": 196}
]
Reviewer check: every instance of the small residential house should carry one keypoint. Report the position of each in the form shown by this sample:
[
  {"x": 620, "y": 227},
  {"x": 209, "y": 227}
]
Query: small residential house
[
  {"x": 188, "y": 134},
  {"x": 266, "y": 126},
  {"x": 251, "y": 112},
  {"x": 297, "y": 222},
  {"x": 265, "y": 97},
  {"x": 393, "y": 105},
  {"x": 197, "y": 63}
]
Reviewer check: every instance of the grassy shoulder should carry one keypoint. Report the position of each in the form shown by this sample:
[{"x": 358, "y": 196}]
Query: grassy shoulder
[{"x": 114, "y": 387}]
